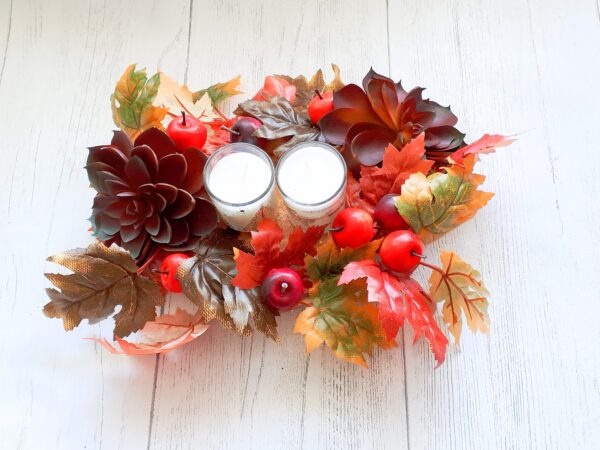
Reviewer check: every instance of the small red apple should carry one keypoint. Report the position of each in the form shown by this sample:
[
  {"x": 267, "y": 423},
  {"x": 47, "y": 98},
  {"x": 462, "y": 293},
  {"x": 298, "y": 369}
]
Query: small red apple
[
  {"x": 388, "y": 216},
  {"x": 283, "y": 289},
  {"x": 352, "y": 227},
  {"x": 168, "y": 269},
  {"x": 187, "y": 131},
  {"x": 320, "y": 105},
  {"x": 401, "y": 251}
]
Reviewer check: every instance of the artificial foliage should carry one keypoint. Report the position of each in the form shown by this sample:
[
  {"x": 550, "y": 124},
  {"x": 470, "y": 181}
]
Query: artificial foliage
[{"x": 150, "y": 201}]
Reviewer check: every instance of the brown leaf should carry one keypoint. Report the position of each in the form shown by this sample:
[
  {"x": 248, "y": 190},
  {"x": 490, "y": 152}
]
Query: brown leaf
[
  {"x": 102, "y": 278},
  {"x": 305, "y": 89},
  {"x": 281, "y": 120},
  {"x": 206, "y": 281}
]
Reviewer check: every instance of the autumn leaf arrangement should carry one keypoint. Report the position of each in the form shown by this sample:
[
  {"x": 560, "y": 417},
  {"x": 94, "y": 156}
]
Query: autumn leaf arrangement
[{"x": 410, "y": 180}]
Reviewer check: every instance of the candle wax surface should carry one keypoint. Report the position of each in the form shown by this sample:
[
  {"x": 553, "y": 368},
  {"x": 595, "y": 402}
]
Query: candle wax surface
[
  {"x": 239, "y": 178},
  {"x": 311, "y": 175}
]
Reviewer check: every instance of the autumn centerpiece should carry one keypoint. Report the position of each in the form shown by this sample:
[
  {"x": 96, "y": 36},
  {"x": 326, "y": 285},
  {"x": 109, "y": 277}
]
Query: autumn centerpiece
[{"x": 313, "y": 198}]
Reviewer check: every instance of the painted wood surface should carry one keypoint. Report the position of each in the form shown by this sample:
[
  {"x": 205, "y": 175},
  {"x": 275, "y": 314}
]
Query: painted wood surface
[{"x": 511, "y": 67}]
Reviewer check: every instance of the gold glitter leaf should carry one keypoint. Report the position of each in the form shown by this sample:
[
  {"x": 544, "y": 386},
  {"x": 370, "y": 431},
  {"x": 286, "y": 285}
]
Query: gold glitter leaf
[{"x": 103, "y": 277}]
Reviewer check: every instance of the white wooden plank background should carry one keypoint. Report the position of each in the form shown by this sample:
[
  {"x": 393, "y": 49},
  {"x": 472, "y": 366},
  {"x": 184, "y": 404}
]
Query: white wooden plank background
[{"x": 511, "y": 66}]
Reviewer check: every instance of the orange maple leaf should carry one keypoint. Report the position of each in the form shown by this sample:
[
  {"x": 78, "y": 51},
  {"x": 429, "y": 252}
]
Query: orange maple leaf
[{"x": 398, "y": 165}]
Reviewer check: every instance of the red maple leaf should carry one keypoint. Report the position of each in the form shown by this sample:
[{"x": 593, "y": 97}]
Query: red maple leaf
[
  {"x": 398, "y": 165},
  {"x": 217, "y": 135},
  {"x": 400, "y": 298},
  {"x": 269, "y": 254},
  {"x": 485, "y": 144}
]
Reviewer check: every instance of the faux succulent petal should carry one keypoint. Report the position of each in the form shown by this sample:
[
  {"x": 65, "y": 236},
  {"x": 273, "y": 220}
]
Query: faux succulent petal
[
  {"x": 368, "y": 147},
  {"x": 115, "y": 209},
  {"x": 444, "y": 138},
  {"x": 157, "y": 140},
  {"x": 150, "y": 159},
  {"x": 442, "y": 114},
  {"x": 114, "y": 186},
  {"x": 380, "y": 104},
  {"x": 164, "y": 233},
  {"x": 195, "y": 167},
  {"x": 183, "y": 205},
  {"x": 136, "y": 172},
  {"x": 351, "y": 96},
  {"x": 152, "y": 225},
  {"x": 172, "y": 169},
  {"x": 109, "y": 155},
  {"x": 204, "y": 217},
  {"x": 167, "y": 191},
  {"x": 372, "y": 75},
  {"x": 336, "y": 123},
  {"x": 107, "y": 224},
  {"x": 129, "y": 233},
  {"x": 180, "y": 232},
  {"x": 136, "y": 245},
  {"x": 121, "y": 141},
  {"x": 160, "y": 203}
]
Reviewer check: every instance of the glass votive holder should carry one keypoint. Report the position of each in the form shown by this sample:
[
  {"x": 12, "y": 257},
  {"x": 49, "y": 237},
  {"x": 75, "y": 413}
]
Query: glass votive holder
[
  {"x": 239, "y": 179},
  {"x": 311, "y": 178}
]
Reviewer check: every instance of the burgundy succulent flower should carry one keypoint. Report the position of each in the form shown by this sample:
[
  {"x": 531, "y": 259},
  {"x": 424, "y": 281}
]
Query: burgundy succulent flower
[
  {"x": 366, "y": 120},
  {"x": 150, "y": 196}
]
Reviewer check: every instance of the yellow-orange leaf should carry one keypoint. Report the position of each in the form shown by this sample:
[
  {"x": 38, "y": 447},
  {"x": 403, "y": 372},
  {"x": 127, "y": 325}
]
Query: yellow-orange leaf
[
  {"x": 342, "y": 317},
  {"x": 461, "y": 289},
  {"x": 442, "y": 201},
  {"x": 132, "y": 102}
]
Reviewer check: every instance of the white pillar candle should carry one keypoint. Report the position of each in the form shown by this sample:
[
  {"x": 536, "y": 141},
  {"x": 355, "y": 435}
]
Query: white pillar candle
[
  {"x": 312, "y": 180},
  {"x": 239, "y": 180}
]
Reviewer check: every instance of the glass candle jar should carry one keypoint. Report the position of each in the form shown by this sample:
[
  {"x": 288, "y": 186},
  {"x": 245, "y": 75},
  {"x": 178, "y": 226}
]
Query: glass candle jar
[
  {"x": 312, "y": 180},
  {"x": 239, "y": 179}
]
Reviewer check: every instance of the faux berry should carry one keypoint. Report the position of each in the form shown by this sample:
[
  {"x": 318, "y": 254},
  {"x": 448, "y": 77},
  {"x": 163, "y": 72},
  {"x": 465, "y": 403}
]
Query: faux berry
[
  {"x": 187, "y": 131},
  {"x": 320, "y": 105},
  {"x": 387, "y": 216},
  {"x": 352, "y": 227},
  {"x": 243, "y": 128},
  {"x": 282, "y": 289},
  {"x": 168, "y": 269},
  {"x": 401, "y": 251}
]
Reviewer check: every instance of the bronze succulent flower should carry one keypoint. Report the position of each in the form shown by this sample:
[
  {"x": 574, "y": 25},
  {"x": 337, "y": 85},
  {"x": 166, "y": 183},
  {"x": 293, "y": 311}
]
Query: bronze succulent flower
[{"x": 366, "y": 120}]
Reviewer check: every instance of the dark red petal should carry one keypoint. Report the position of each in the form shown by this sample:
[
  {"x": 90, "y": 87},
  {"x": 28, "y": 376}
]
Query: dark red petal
[
  {"x": 336, "y": 124},
  {"x": 136, "y": 172},
  {"x": 160, "y": 203},
  {"x": 157, "y": 141},
  {"x": 129, "y": 233},
  {"x": 164, "y": 233},
  {"x": 180, "y": 232},
  {"x": 128, "y": 219},
  {"x": 148, "y": 188},
  {"x": 127, "y": 194},
  {"x": 355, "y": 129},
  {"x": 375, "y": 93},
  {"x": 351, "y": 96},
  {"x": 115, "y": 209},
  {"x": 183, "y": 205},
  {"x": 149, "y": 157},
  {"x": 135, "y": 246},
  {"x": 167, "y": 191},
  {"x": 443, "y": 116},
  {"x": 98, "y": 180},
  {"x": 172, "y": 169},
  {"x": 114, "y": 187},
  {"x": 195, "y": 167},
  {"x": 369, "y": 146},
  {"x": 107, "y": 224},
  {"x": 152, "y": 225},
  {"x": 111, "y": 156},
  {"x": 204, "y": 217},
  {"x": 443, "y": 138},
  {"x": 121, "y": 141},
  {"x": 372, "y": 75}
]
